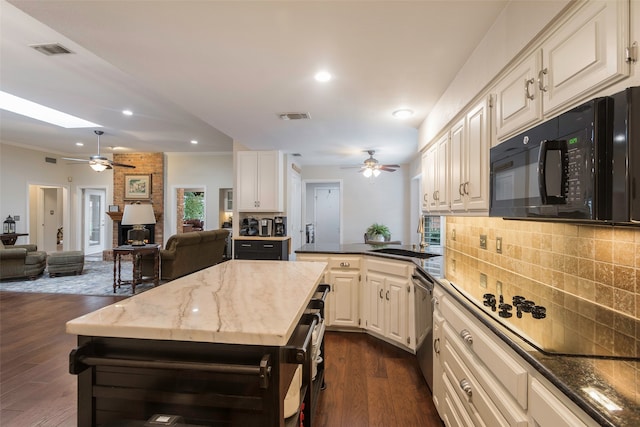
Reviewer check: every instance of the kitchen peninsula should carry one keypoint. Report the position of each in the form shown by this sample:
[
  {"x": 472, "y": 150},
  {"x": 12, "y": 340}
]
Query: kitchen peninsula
[{"x": 218, "y": 346}]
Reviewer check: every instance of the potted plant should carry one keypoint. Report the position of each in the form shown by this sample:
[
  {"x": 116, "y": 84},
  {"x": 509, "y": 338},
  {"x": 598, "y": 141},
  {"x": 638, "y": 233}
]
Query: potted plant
[{"x": 378, "y": 232}]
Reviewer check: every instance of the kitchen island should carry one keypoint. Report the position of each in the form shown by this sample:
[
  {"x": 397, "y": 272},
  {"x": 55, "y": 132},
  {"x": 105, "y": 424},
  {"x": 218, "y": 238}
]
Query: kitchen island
[{"x": 217, "y": 347}]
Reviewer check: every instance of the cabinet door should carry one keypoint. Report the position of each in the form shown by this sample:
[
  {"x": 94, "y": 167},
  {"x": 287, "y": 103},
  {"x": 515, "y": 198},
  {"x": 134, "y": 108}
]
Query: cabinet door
[
  {"x": 438, "y": 390},
  {"x": 478, "y": 134},
  {"x": 548, "y": 410},
  {"x": 269, "y": 181},
  {"x": 585, "y": 53},
  {"x": 247, "y": 180},
  {"x": 428, "y": 179},
  {"x": 344, "y": 304},
  {"x": 518, "y": 104},
  {"x": 375, "y": 290},
  {"x": 442, "y": 175},
  {"x": 396, "y": 309},
  {"x": 458, "y": 166}
]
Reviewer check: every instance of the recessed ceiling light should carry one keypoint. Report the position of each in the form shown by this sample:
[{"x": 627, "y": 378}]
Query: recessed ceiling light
[
  {"x": 127, "y": 112},
  {"x": 80, "y": 144},
  {"x": 403, "y": 113},
  {"x": 24, "y": 107},
  {"x": 323, "y": 76},
  {"x": 193, "y": 141}
]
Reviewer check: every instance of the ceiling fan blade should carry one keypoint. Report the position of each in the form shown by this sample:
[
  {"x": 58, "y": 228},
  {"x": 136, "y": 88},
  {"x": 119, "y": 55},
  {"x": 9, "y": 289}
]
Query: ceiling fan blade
[
  {"x": 390, "y": 166},
  {"x": 122, "y": 165},
  {"x": 351, "y": 167},
  {"x": 386, "y": 169},
  {"x": 75, "y": 160}
]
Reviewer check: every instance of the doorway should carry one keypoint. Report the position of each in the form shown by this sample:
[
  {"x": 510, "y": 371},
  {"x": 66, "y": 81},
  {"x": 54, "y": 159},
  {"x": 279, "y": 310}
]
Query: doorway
[
  {"x": 94, "y": 224},
  {"x": 324, "y": 210},
  {"x": 48, "y": 216}
]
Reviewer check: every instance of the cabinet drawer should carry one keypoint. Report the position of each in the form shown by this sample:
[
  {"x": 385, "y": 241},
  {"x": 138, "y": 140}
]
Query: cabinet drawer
[
  {"x": 397, "y": 268},
  {"x": 345, "y": 262},
  {"x": 312, "y": 258},
  {"x": 502, "y": 365},
  {"x": 547, "y": 410},
  {"x": 260, "y": 249}
]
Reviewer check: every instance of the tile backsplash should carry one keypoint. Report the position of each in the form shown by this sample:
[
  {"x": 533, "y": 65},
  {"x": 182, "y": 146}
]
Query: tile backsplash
[{"x": 555, "y": 262}]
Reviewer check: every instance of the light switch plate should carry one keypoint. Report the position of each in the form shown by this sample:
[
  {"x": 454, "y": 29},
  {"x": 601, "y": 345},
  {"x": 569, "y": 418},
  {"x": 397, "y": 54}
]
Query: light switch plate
[
  {"x": 499, "y": 245},
  {"x": 453, "y": 234},
  {"x": 483, "y": 241},
  {"x": 16, "y": 217},
  {"x": 483, "y": 280}
]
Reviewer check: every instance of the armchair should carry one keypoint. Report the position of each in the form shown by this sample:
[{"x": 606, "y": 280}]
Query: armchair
[{"x": 21, "y": 261}]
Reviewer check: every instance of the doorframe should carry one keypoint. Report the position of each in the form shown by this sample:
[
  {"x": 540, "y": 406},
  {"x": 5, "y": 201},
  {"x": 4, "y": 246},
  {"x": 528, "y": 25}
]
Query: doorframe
[
  {"x": 35, "y": 206},
  {"x": 171, "y": 221},
  {"x": 340, "y": 183},
  {"x": 79, "y": 213}
]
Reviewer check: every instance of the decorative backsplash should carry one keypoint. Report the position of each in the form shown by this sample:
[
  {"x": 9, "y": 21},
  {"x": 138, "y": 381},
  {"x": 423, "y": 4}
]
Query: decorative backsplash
[{"x": 555, "y": 263}]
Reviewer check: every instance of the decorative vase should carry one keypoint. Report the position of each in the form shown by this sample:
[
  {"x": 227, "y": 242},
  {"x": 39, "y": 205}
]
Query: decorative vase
[{"x": 377, "y": 238}]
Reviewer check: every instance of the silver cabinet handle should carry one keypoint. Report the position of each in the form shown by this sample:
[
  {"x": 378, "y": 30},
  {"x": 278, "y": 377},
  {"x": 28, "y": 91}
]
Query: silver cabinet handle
[
  {"x": 466, "y": 387},
  {"x": 387, "y": 295},
  {"x": 466, "y": 336},
  {"x": 381, "y": 297},
  {"x": 345, "y": 264},
  {"x": 436, "y": 346},
  {"x": 460, "y": 189},
  {"x": 526, "y": 88},
  {"x": 466, "y": 188},
  {"x": 541, "y": 84},
  {"x": 425, "y": 197}
]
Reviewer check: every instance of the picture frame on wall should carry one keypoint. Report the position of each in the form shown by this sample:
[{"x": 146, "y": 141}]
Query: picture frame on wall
[{"x": 137, "y": 187}]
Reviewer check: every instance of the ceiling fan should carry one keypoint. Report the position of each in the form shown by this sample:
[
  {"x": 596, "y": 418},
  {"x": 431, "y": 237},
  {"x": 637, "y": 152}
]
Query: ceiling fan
[
  {"x": 100, "y": 163},
  {"x": 372, "y": 167}
]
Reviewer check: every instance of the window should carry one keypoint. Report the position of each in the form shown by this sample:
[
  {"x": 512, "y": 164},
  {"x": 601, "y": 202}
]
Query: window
[{"x": 432, "y": 229}]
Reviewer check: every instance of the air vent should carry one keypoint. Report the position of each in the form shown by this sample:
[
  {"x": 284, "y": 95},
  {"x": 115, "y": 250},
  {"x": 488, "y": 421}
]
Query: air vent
[
  {"x": 294, "y": 116},
  {"x": 50, "y": 160},
  {"x": 51, "y": 49}
]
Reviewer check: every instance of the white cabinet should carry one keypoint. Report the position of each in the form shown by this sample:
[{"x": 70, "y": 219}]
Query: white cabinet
[
  {"x": 259, "y": 181},
  {"x": 583, "y": 53},
  {"x": 470, "y": 139},
  {"x": 343, "y": 275},
  {"x": 387, "y": 290},
  {"x": 435, "y": 184}
]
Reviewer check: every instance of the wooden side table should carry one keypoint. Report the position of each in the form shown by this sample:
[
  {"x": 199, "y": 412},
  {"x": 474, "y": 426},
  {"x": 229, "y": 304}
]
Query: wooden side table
[
  {"x": 9, "y": 239},
  {"x": 136, "y": 253}
]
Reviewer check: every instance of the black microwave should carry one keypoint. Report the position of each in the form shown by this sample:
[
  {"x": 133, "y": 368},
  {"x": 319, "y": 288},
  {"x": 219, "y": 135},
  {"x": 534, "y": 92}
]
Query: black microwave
[{"x": 583, "y": 165}]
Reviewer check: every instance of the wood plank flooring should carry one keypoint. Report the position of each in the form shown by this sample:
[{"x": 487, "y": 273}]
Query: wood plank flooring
[{"x": 369, "y": 382}]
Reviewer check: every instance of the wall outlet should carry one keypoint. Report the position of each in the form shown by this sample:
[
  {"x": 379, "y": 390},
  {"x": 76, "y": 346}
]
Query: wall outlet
[
  {"x": 453, "y": 265},
  {"x": 453, "y": 234},
  {"x": 498, "y": 287},
  {"x": 483, "y": 280},
  {"x": 483, "y": 241},
  {"x": 499, "y": 245},
  {"x": 16, "y": 217}
]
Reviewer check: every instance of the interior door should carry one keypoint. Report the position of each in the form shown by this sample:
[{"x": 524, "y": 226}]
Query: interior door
[
  {"x": 94, "y": 223},
  {"x": 327, "y": 215}
]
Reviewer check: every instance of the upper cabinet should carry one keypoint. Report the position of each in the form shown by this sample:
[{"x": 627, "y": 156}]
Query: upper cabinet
[
  {"x": 470, "y": 139},
  {"x": 585, "y": 52},
  {"x": 259, "y": 181},
  {"x": 435, "y": 166}
]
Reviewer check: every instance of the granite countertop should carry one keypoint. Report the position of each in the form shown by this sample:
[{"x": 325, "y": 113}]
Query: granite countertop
[
  {"x": 571, "y": 374},
  {"x": 235, "y": 302}
]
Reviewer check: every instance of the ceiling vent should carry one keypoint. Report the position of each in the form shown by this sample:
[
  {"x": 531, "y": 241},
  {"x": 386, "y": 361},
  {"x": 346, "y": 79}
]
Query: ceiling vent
[
  {"x": 51, "y": 49},
  {"x": 294, "y": 116}
]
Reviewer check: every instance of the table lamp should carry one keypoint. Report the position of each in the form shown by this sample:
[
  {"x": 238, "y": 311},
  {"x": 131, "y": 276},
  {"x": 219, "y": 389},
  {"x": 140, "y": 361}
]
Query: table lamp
[{"x": 138, "y": 215}]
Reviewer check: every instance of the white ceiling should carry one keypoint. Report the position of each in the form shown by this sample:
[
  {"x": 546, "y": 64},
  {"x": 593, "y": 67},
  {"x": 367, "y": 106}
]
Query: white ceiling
[{"x": 218, "y": 71}]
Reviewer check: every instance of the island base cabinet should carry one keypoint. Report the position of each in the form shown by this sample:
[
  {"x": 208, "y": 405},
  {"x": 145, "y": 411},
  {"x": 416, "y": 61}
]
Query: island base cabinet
[{"x": 126, "y": 381}]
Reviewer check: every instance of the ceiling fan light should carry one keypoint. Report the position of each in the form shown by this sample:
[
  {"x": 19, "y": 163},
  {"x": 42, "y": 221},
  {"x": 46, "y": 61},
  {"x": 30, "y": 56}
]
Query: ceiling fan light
[
  {"x": 376, "y": 172},
  {"x": 98, "y": 167},
  {"x": 367, "y": 172}
]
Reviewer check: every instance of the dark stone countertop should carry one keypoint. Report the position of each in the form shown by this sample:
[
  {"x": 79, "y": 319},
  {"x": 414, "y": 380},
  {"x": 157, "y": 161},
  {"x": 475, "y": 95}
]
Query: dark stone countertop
[{"x": 570, "y": 374}]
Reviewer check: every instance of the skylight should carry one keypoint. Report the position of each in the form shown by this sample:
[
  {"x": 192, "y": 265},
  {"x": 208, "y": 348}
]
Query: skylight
[{"x": 36, "y": 111}]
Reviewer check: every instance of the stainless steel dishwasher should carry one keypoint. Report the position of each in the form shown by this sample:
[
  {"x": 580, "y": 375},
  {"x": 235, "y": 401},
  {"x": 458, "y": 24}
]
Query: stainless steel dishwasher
[{"x": 423, "y": 285}]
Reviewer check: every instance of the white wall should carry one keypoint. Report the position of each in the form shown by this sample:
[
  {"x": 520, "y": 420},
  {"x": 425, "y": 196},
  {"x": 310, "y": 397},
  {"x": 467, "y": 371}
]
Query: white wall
[
  {"x": 211, "y": 171},
  {"x": 22, "y": 167},
  {"x": 384, "y": 200}
]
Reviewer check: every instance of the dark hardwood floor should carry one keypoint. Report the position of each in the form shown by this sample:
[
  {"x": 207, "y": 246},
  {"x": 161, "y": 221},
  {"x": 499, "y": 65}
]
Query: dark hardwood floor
[{"x": 369, "y": 382}]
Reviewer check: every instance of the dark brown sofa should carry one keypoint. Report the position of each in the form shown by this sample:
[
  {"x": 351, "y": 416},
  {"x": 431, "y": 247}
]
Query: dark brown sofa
[
  {"x": 21, "y": 261},
  {"x": 188, "y": 252}
]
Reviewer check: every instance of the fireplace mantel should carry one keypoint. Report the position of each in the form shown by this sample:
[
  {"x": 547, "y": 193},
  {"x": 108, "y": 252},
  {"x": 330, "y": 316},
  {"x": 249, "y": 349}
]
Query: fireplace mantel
[{"x": 117, "y": 216}]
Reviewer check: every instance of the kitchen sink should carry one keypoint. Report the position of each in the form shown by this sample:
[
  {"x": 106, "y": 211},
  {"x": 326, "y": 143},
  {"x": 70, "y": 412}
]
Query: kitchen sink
[{"x": 404, "y": 252}]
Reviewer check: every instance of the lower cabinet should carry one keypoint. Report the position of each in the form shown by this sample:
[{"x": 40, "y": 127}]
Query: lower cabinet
[
  {"x": 387, "y": 288},
  {"x": 277, "y": 250},
  {"x": 382, "y": 303},
  {"x": 479, "y": 381}
]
